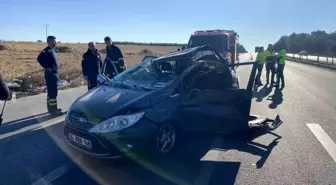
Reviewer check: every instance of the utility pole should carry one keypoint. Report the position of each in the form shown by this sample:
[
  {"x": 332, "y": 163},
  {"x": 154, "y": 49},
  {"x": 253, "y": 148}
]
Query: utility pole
[{"x": 46, "y": 26}]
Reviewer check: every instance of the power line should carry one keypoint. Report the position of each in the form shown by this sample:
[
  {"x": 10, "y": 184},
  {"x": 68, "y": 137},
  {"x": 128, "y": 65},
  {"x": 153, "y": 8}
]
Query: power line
[{"x": 46, "y": 27}]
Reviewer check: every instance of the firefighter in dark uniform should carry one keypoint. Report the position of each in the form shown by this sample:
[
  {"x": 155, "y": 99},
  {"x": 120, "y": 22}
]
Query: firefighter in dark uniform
[
  {"x": 48, "y": 60},
  {"x": 91, "y": 65},
  {"x": 114, "y": 62}
]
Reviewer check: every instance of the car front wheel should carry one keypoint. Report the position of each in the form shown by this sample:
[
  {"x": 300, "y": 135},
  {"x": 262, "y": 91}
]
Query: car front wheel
[{"x": 166, "y": 138}]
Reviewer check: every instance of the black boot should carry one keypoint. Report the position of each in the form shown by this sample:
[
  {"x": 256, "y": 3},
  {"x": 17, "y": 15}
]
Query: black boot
[{"x": 54, "y": 110}]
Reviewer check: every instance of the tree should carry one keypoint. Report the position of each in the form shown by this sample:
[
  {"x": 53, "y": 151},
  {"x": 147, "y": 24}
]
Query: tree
[
  {"x": 308, "y": 46},
  {"x": 294, "y": 48},
  {"x": 282, "y": 43},
  {"x": 320, "y": 47},
  {"x": 318, "y": 43}
]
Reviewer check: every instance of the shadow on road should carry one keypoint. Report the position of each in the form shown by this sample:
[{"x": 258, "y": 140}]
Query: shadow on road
[
  {"x": 246, "y": 144},
  {"x": 25, "y": 122},
  {"x": 262, "y": 93},
  {"x": 31, "y": 156},
  {"x": 276, "y": 98},
  {"x": 180, "y": 168}
]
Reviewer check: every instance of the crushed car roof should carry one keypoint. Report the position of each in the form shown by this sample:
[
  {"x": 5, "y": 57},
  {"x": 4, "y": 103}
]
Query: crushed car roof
[{"x": 193, "y": 53}]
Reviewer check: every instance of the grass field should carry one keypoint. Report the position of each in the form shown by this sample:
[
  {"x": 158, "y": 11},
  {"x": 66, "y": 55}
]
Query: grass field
[{"x": 18, "y": 59}]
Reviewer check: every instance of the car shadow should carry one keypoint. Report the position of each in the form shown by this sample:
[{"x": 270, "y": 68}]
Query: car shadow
[
  {"x": 25, "y": 122},
  {"x": 262, "y": 93},
  {"x": 243, "y": 141},
  {"x": 276, "y": 98}
]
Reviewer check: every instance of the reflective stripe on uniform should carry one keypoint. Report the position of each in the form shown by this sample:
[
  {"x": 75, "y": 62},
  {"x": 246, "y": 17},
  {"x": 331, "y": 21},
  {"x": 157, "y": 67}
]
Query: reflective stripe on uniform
[
  {"x": 121, "y": 58},
  {"x": 52, "y": 102}
]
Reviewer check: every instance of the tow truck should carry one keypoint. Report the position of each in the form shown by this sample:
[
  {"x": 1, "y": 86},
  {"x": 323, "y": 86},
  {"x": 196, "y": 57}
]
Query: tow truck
[{"x": 223, "y": 41}]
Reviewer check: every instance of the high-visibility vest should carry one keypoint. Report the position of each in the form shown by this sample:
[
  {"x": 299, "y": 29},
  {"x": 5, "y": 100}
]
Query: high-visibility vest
[
  {"x": 283, "y": 56},
  {"x": 268, "y": 53},
  {"x": 261, "y": 58}
]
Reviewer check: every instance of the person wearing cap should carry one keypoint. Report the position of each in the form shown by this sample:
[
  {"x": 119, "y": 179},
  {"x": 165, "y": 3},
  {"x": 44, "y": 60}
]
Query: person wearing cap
[
  {"x": 260, "y": 65},
  {"x": 114, "y": 62},
  {"x": 48, "y": 60},
  {"x": 91, "y": 65}
]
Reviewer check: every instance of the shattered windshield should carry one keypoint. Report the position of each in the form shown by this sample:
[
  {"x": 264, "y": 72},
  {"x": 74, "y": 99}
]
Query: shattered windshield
[{"x": 147, "y": 76}]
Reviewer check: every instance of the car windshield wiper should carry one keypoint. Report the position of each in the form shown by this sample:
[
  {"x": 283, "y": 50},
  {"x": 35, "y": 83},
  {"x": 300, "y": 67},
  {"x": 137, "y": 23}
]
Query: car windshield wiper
[{"x": 143, "y": 87}]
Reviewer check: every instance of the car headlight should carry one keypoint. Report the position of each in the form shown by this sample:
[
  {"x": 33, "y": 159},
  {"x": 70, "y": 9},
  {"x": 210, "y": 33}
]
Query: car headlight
[{"x": 117, "y": 123}]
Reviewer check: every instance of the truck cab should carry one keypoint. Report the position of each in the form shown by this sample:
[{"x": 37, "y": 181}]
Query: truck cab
[{"x": 223, "y": 41}]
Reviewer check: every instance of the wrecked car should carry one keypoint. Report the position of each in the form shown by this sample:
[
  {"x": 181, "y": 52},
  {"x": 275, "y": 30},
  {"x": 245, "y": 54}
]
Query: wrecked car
[{"x": 151, "y": 105}]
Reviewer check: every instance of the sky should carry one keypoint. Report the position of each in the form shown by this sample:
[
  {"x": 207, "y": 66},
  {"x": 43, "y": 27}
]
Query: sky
[{"x": 258, "y": 22}]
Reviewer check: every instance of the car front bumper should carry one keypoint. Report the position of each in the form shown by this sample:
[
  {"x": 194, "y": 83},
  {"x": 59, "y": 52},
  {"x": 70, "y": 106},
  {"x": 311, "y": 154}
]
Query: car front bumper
[{"x": 113, "y": 145}]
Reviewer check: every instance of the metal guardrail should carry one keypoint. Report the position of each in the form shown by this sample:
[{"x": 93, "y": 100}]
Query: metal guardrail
[
  {"x": 325, "y": 64},
  {"x": 309, "y": 58}
]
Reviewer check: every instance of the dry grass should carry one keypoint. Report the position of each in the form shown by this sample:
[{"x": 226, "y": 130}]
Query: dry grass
[{"x": 18, "y": 59}]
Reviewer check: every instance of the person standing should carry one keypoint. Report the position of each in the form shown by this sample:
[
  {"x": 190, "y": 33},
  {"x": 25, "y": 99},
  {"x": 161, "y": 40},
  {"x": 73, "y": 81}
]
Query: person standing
[
  {"x": 48, "y": 60},
  {"x": 270, "y": 64},
  {"x": 4, "y": 91},
  {"x": 260, "y": 65},
  {"x": 281, "y": 67},
  {"x": 114, "y": 62},
  {"x": 91, "y": 65}
]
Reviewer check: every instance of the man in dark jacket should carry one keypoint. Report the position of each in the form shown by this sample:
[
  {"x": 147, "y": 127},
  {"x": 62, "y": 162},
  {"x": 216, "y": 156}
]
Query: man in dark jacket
[
  {"x": 4, "y": 95},
  {"x": 4, "y": 91},
  {"x": 114, "y": 62},
  {"x": 91, "y": 65},
  {"x": 48, "y": 60}
]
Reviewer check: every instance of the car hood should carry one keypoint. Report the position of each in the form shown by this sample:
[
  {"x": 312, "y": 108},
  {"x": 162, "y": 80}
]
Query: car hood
[{"x": 104, "y": 102}]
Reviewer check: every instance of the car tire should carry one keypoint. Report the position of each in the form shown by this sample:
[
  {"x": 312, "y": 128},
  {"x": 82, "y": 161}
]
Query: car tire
[{"x": 165, "y": 140}]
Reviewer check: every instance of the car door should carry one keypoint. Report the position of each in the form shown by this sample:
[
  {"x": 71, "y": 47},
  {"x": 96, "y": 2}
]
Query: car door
[
  {"x": 196, "y": 108},
  {"x": 225, "y": 106}
]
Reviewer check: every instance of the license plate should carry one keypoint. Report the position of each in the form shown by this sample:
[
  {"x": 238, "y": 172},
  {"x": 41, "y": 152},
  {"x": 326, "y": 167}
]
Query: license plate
[{"x": 80, "y": 141}]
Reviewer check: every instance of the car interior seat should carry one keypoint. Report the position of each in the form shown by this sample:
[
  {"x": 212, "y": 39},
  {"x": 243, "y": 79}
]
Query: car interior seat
[{"x": 166, "y": 66}]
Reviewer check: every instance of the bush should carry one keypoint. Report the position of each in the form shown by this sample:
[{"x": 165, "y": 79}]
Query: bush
[
  {"x": 63, "y": 49},
  {"x": 145, "y": 52},
  {"x": 39, "y": 40},
  {"x": 3, "y": 47}
]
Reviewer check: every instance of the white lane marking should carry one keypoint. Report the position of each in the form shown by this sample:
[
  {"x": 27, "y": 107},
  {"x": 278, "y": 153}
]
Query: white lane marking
[
  {"x": 205, "y": 173},
  {"x": 33, "y": 127},
  {"x": 53, "y": 175},
  {"x": 324, "y": 139}
]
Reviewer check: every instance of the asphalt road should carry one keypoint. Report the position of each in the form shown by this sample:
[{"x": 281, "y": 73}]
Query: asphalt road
[{"x": 33, "y": 150}]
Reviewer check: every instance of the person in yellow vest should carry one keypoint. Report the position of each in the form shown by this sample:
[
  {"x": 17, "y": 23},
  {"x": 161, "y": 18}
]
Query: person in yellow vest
[
  {"x": 260, "y": 65},
  {"x": 281, "y": 67},
  {"x": 270, "y": 64}
]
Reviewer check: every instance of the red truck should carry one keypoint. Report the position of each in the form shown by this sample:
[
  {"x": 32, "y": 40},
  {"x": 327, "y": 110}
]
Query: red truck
[{"x": 223, "y": 41}]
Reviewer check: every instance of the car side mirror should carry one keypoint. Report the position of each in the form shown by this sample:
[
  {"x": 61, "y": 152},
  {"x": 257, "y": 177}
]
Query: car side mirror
[{"x": 102, "y": 79}]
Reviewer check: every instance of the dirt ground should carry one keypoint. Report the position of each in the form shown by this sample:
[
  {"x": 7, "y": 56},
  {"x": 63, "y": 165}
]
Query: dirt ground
[{"x": 18, "y": 59}]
